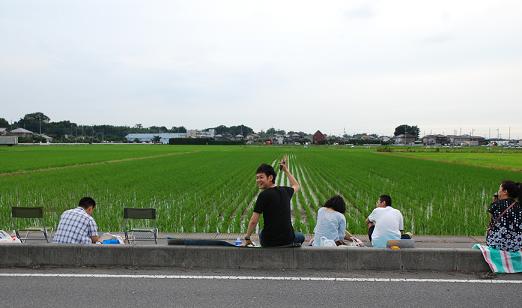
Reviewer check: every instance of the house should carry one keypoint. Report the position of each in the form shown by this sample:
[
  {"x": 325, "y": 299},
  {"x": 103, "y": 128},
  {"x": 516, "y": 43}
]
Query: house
[
  {"x": 47, "y": 138},
  {"x": 385, "y": 138},
  {"x": 466, "y": 140},
  {"x": 21, "y": 132},
  {"x": 252, "y": 137},
  {"x": 318, "y": 138},
  {"x": 435, "y": 140},
  {"x": 405, "y": 139}
]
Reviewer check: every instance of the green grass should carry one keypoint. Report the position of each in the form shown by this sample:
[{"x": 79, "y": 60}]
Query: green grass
[
  {"x": 212, "y": 188},
  {"x": 506, "y": 161},
  {"x": 23, "y": 158}
]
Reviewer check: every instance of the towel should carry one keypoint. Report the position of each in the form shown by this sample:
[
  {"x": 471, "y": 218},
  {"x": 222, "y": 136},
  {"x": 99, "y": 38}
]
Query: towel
[{"x": 501, "y": 261}]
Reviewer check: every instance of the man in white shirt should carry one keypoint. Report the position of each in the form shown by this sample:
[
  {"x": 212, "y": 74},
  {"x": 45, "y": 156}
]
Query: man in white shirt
[{"x": 388, "y": 222}]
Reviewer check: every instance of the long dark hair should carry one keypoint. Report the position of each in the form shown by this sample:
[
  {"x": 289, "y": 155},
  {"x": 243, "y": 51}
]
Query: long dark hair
[
  {"x": 336, "y": 203},
  {"x": 513, "y": 189}
]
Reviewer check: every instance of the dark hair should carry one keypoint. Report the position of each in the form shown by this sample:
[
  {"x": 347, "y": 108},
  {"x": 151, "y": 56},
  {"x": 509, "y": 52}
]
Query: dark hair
[
  {"x": 513, "y": 189},
  {"x": 336, "y": 203},
  {"x": 267, "y": 170},
  {"x": 386, "y": 199},
  {"x": 87, "y": 202}
]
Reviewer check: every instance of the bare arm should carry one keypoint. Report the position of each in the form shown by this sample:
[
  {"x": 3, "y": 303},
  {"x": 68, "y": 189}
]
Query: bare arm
[
  {"x": 251, "y": 227},
  {"x": 95, "y": 239},
  {"x": 293, "y": 182}
]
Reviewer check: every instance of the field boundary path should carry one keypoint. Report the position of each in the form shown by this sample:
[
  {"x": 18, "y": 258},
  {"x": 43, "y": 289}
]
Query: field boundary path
[
  {"x": 98, "y": 163},
  {"x": 418, "y": 156}
]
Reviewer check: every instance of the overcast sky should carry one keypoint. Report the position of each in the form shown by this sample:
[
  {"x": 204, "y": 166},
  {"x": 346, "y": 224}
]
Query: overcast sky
[{"x": 359, "y": 66}]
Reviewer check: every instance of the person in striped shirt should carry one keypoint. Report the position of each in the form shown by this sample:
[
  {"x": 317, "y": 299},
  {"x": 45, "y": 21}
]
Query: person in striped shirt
[{"x": 77, "y": 225}]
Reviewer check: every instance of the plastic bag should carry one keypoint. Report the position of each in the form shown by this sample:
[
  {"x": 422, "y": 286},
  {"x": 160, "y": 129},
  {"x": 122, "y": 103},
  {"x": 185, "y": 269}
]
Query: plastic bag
[
  {"x": 6, "y": 238},
  {"x": 324, "y": 242},
  {"x": 108, "y": 238}
]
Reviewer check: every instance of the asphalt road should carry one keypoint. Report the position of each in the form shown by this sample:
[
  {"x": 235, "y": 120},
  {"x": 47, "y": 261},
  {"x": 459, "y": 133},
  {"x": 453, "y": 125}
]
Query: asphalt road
[{"x": 184, "y": 288}]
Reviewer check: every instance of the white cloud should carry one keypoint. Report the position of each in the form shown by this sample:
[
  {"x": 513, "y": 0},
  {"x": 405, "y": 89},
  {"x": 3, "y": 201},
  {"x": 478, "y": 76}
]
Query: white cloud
[{"x": 363, "y": 65}]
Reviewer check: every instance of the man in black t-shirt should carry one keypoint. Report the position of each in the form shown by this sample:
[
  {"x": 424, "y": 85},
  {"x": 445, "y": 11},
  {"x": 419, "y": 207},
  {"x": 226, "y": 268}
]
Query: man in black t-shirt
[{"x": 274, "y": 203}]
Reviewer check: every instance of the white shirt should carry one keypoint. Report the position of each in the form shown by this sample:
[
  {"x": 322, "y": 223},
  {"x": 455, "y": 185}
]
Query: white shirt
[{"x": 388, "y": 225}]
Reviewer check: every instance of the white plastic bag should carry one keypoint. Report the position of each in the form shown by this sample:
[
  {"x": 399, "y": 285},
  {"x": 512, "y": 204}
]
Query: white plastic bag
[
  {"x": 324, "y": 242},
  {"x": 6, "y": 238}
]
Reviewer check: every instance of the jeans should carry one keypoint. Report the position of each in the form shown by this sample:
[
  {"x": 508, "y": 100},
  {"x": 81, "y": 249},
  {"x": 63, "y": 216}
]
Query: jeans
[{"x": 298, "y": 239}]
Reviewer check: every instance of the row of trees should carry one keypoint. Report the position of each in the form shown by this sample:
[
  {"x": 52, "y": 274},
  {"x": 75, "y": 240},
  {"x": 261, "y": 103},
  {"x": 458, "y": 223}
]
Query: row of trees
[
  {"x": 66, "y": 131},
  {"x": 233, "y": 130}
]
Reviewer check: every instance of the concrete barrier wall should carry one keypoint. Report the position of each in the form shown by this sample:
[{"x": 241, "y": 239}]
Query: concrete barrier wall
[{"x": 342, "y": 259}]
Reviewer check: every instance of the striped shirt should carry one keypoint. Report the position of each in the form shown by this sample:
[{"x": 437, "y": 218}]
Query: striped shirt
[{"x": 75, "y": 227}]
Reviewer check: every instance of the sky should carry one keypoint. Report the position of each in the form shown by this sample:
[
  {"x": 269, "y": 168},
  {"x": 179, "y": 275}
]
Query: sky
[{"x": 337, "y": 66}]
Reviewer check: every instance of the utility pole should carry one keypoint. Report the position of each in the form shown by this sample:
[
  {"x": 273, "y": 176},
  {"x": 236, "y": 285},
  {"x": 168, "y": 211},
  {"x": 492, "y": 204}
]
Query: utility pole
[
  {"x": 405, "y": 136},
  {"x": 509, "y": 133}
]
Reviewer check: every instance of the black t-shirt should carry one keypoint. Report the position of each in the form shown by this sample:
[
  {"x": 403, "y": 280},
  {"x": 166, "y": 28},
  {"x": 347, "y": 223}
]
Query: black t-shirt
[{"x": 274, "y": 204}]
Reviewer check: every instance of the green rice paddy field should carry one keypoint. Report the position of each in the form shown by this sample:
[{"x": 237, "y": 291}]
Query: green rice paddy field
[{"x": 212, "y": 188}]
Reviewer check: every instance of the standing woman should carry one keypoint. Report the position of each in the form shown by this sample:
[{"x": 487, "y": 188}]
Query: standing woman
[{"x": 505, "y": 227}]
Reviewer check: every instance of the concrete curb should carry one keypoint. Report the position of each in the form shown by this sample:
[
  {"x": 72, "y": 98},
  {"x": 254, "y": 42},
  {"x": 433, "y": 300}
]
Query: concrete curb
[{"x": 342, "y": 259}]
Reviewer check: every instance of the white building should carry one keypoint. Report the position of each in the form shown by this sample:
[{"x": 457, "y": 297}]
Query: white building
[
  {"x": 147, "y": 138},
  {"x": 405, "y": 139},
  {"x": 465, "y": 140},
  {"x": 194, "y": 133}
]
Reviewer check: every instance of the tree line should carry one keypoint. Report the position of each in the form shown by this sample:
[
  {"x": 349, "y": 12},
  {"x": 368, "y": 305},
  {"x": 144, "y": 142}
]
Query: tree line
[{"x": 67, "y": 131}]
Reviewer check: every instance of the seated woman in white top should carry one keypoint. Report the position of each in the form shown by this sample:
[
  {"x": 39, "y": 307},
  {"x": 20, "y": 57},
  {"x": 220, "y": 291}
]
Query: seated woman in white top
[{"x": 331, "y": 223}]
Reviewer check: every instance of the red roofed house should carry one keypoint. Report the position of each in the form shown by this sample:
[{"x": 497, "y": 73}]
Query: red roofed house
[{"x": 319, "y": 138}]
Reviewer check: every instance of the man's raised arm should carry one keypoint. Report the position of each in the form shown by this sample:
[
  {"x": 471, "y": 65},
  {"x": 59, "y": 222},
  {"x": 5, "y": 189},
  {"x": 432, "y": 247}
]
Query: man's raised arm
[{"x": 293, "y": 182}]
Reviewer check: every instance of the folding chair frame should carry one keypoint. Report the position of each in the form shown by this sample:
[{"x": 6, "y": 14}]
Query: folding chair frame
[
  {"x": 29, "y": 213},
  {"x": 140, "y": 213}
]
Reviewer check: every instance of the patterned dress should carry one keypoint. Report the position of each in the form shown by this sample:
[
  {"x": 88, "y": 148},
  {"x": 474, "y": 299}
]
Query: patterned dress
[{"x": 506, "y": 233}]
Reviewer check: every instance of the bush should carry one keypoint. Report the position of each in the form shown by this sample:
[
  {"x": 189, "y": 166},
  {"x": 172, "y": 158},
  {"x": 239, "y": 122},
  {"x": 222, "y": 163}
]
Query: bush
[{"x": 385, "y": 148}]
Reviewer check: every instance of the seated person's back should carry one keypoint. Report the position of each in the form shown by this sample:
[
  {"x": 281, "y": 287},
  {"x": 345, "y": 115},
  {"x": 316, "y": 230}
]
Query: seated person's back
[
  {"x": 76, "y": 225},
  {"x": 388, "y": 222},
  {"x": 274, "y": 204},
  {"x": 331, "y": 223}
]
